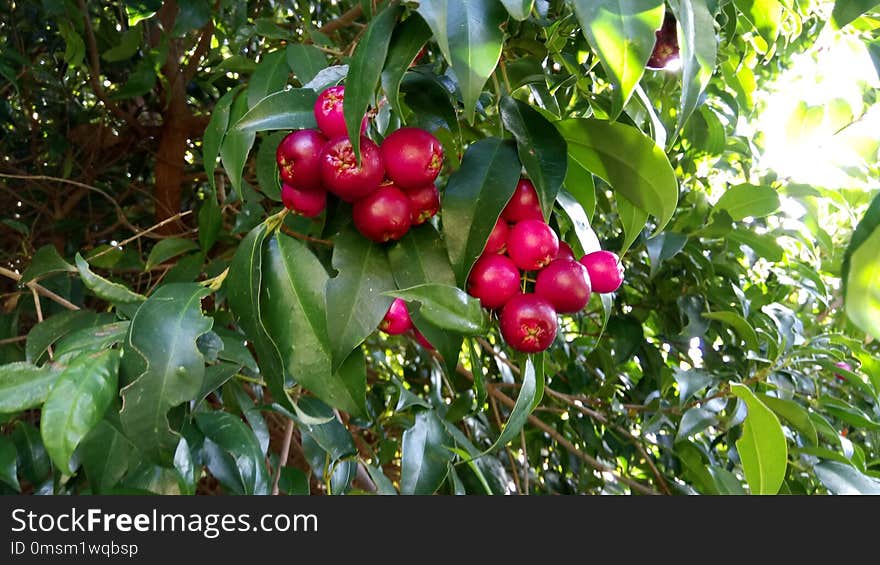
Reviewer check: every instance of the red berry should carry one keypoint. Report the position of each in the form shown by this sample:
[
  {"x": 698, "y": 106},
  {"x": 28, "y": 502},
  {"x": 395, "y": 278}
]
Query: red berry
[
  {"x": 396, "y": 320},
  {"x": 494, "y": 279},
  {"x": 565, "y": 283},
  {"x": 532, "y": 244},
  {"x": 666, "y": 45},
  {"x": 524, "y": 204},
  {"x": 425, "y": 202},
  {"x": 565, "y": 252},
  {"x": 413, "y": 157},
  {"x": 341, "y": 174},
  {"x": 497, "y": 242},
  {"x": 383, "y": 215},
  {"x": 843, "y": 365},
  {"x": 423, "y": 341},
  {"x": 528, "y": 323},
  {"x": 606, "y": 270},
  {"x": 308, "y": 203},
  {"x": 328, "y": 111},
  {"x": 298, "y": 157}
]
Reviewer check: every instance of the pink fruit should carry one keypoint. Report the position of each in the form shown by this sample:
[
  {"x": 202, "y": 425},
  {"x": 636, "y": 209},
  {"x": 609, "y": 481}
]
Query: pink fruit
[
  {"x": 298, "y": 157},
  {"x": 328, "y": 112},
  {"x": 425, "y": 202},
  {"x": 383, "y": 215},
  {"x": 423, "y": 341},
  {"x": 524, "y": 204},
  {"x": 565, "y": 283},
  {"x": 843, "y": 365},
  {"x": 308, "y": 203},
  {"x": 532, "y": 244},
  {"x": 606, "y": 271},
  {"x": 497, "y": 242},
  {"x": 528, "y": 323},
  {"x": 413, "y": 157},
  {"x": 341, "y": 174},
  {"x": 396, "y": 320},
  {"x": 494, "y": 279},
  {"x": 565, "y": 252}
]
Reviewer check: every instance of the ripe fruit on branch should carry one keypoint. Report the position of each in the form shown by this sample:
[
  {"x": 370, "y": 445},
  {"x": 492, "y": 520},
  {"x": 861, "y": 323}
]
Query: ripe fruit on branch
[
  {"x": 606, "y": 270},
  {"x": 524, "y": 204},
  {"x": 308, "y": 203},
  {"x": 413, "y": 157},
  {"x": 298, "y": 157},
  {"x": 494, "y": 280},
  {"x": 383, "y": 215},
  {"x": 328, "y": 111},
  {"x": 396, "y": 320},
  {"x": 565, "y": 283},
  {"x": 497, "y": 242},
  {"x": 842, "y": 365},
  {"x": 423, "y": 341},
  {"x": 565, "y": 252},
  {"x": 425, "y": 202},
  {"x": 665, "y": 54},
  {"x": 528, "y": 323},
  {"x": 532, "y": 244},
  {"x": 341, "y": 174}
]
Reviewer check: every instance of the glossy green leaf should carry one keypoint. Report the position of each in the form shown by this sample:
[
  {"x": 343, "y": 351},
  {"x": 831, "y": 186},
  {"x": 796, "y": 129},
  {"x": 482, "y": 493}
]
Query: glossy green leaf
[
  {"x": 474, "y": 198},
  {"x": 46, "y": 261},
  {"x": 268, "y": 77},
  {"x": 765, "y": 15},
  {"x": 91, "y": 338},
  {"x": 34, "y": 464},
  {"x": 47, "y": 332},
  {"x": 847, "y": 11},
  {"x": 447, "y": 307},
  {"x": 306, "y": 61},
  {"x": 331, "y": 76},
  {"x": 406, "y": 42},
  {"x": 763, "y": 244},
  {"x": 233, "y": 453},
  {"x": 725, "y": 481},
  {"x": 746, "y": 200},
  {"x": 9, "y": 463},
  {"x": 518, "y": 9},
  {"x": 330, "y": 435},
  {"x": 81, "y": 395},
  {"x": 105, "y": 455},
  {"x": 469, "y": 35},
  {"x": 541, "y": 149},
  {"x": 739, "y": 324},
  {"x": 288, "y": 109},
  {"x": 215, "y": 132},
  {"x": 364, "y": 71},
  {"x": 384, "y": 486},
  {"x": 626, "y": 159},
  {"x": 267, "y": 166},
  {"x": 104, "y": 289},
  {"x": 664, "y": 247},
  {"x": 842, "y": 479},
  {"x": 694, "y": 421},
  {"x": 162, "y": 367},
  {"x": 697, "y": 50},
  {"x": 529, "y": 397},
  {"x": 24, "y": 386},
  {"x": 848, "y": 413},
  {"x": 430, "y": 106},
  {"x": 580, "y": 184},
  {"x": 238, "y": 141},
  {"x": 794, "y": 414},
  {"x": 861, "y": 271},
  {"x": 622, "y": 34},
  {"x": 424, "y": 455},
  {"x": 762, "y": 447},
  {"x": 575, "y": 212},
  {"x": 129, "y": 41},
  {"x": 167, "y": 249},
  {"x": 634, "y": 220},
  {"x": 355, "y": 300}
]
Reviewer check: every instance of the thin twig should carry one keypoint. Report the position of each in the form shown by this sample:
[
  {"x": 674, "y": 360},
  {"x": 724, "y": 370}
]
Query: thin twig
[
  {"x": 304, "y": 237},
  {"x": 43, "y": 291},
  {"x": 345, "y": 20},
  {"x": 285, "y": 452},
  {"x": 140, "y": 234},
  {"x": 494, "y": 405},
  {"x": 39, "y": 310},
  {"x": 16, "y": 339}
]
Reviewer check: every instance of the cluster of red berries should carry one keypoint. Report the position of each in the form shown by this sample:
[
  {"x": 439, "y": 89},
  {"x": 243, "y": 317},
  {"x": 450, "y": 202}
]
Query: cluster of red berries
[
  {"x": 391, "y": 189},
  {"x": 523, "y": 242}
]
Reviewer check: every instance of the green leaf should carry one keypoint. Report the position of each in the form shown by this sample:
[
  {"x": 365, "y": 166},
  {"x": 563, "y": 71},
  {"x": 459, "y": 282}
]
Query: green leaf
[
  {"x": 626, "y": 159},
  {"x": 664, "y": 247},
  {"x": 81, "y": 395},
  {"x": 738, "y": 323},
  {"x": 288, "y": 109},
  {"x": 530, "y": 394},
  {"x": 46, "y": 261},
  {"x": 210, "y": 223},
  {"x": 384, "y": 486},
  {"x": 843, "y": 479},
  {"x": 141, "y": 81},
  {"x": 305, "y": 61},
  {"x": 794, "y": 414},
  {"x": 104, "y": 289},
  {"x": 447, "y": 307},
  {"x": 355, "y": 300},
  {"x": 424, "y": 455},
  {"x": 580, "y": 184},
  {"x": 233, "y": 453},
  {"x": 765, "y": 15},
  {"x": 330, "y": 435},
  {"x": 861, "y": 271},
  {"x": 406, "y": 42},
  {"x": 33, "y": 461},
  {"x": 364, "y": 71},
  {"x": 847, "y": 11},
  {"x": 9, "y": 463},
  {"x": 694, "y": 421},
  {"x": 634, "y": 220},
  {"x": 193, "y": 14},
  {"x": 331, "y": 76},
  {"x": 105, "y": 455},
  {"x": 269, "y": 77},
  {"x": 763, "y": 244},
  {"x": 746, "y": 200},
  {"x": 848, "y": 413},
  {"x": 762, "y": 447},
  {"x": 698, "y": 46},
  {"x": 578, "y": 216},
  {"x": 725, "y": 481},
  {"x": 238, "y": 141},
  {"x": 162, "y": 366},
  {"x": 518, "y": 9},
  {"x": 92, "y": 338},
  {"x": 541, "y": 148},
  {"x": 474, "y": 198},
  {"x": 167, "y": 249},
  {"x": 24, "y": 386},
  {"x": 470, "y": 38},
  {"x": 215, "y": 132},
  {"x": 75, "y": 47},
  {"x": 56, "y": 327},
  {"x": 690, "y": 382},
  {"x": 293, "y": 312},
  {"x": 129, "y": 41},
  {"x": 622, "y": 34}
]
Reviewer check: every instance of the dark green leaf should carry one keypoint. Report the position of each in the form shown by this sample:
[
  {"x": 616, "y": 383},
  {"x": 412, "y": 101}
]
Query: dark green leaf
[
  {"x": 725, "y": 481},
  {"x": 269, "y": 77},
  {"x": 431, "y": 106},
  {"x": 104, "y": 289},
  {"x": 288, "y": 109},
  {"x": 169, "y": 248},
  {"x": 794, "y": 414},
  {"x": 140, "y": 81},
  {"x": 762, "y": 447},
  {"x": 233, "y": 453},
  {"x": 33, "y": 461},
  {"x": 738, "y": 323},
  {"x": 518, "y": 9},
  {"x": 193, "y": 14},
  {"x": 406, "y": 41},
  {"x": 250, "y": 411},
  {"x": 541, "y": 149},
  {"x": 210, "y": 223},
  {"x": 46, "y": 261},
  {"x": 331, "y": 435},
  {"x": 447, "y": 307},
  {"x": 470, "y": 37},
  {"x": 846, "y": 11},
  {"x": 9, "y": 463},
  {"x": 162, "y": 367},
  {"x": 215, "y": 132},
  {"x": 305, "y": 61},
  {"x": 384, "y": 486},
  {"x": 105, "y": 455},
  {"x": 663, "y": 247},
  {"x": 690, "y": 382},
  {"x": 424, "y": 455},
  {"x": 56, "y": 327},
  {"x": 24, "y": 386},
  {"x": 843, "y": 479},
  {"x": 129, "y": 41},
  {"x": 694, "y": 421},
  {"x": 238, "y": 141},
  {"x": 267, "y": 166},
  {"x": 91, "y": 339},
  {"x": 698, "y": 46},
  {"x": 474, "y": 198},
  {"x": 746, "y": 200}
]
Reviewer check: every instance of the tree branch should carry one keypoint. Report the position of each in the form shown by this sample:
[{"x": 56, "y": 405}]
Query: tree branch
[
  {"x": 192, "y": 66},
  {"x": 345, "y": 20},
  {"x": 285, "y": 453},
  {"x": 39, "y": 289}
]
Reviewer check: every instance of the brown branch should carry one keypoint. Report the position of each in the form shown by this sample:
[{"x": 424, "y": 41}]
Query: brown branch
[
  {"x": 41, "y": 290},
  {"x": 304, "y": 237},
  {"x": 192, "y": 66},
  {"x": 285, "y": 453},
  {"x": 140, "y": 234},
  {"x": 345, "y": 20}
]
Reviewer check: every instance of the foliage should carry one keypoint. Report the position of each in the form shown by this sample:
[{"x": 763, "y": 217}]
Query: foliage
[{"x": 739, "y": 356}]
